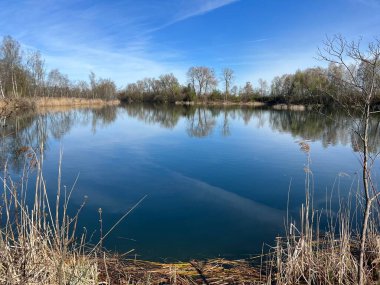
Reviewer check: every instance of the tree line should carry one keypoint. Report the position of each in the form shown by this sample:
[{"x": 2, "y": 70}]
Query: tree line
[
  {"x": 23, "y": 75},
  {"x": 318, "y": 85}
]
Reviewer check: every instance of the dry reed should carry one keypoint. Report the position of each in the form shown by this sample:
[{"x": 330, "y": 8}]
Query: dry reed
[
  {"x": 312, "y": 254},
  {"x": 38, "y": 244}
]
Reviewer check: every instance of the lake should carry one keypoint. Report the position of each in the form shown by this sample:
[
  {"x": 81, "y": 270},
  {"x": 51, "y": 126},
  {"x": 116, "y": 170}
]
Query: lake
[{"x": 217, "y": 180}]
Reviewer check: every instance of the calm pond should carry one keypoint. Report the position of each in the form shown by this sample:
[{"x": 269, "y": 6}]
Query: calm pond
[{"x": 217, "y": 180}]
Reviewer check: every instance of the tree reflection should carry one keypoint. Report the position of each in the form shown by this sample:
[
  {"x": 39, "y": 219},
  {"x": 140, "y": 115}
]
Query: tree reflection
[
  {"x": 373, "y": 136},
  {"x": 201, "y": 123},
  {"x": 61, "y": 123},
  {"x": 103, "y": 116},
  {"x": 18, "y": 134},
  {"x": 165, "y": 115},
  {"x": 30, "y": 130},
  {"x": 226, "y": 125},
  {"x": 330, "y": 128}
]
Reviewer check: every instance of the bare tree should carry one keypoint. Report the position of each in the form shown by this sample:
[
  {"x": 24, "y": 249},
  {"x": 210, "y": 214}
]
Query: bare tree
[
  {"x": 263, "y": 87},
  {"x": 83, "y": 89},
  {"x": 211, "y": 81},
  {"x": 362, "y": 74},
  {"x": 58, "y": 83},
  {"x": 10, "y": 54},
  {"x": 36, "y": 69},
  {"x": 227, "y": 78},
  {"x": 276, "y": 86},
  {"x": 247, "y": 91},
  {"x": 234, "y": 90},
  {"x": 106, "y": 88},
  {"x": 202, "y": 79}
]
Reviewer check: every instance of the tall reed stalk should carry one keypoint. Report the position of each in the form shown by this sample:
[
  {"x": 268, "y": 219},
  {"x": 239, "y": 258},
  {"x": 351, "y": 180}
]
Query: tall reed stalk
[
  {"x": 37, "y": 245},
  {"x": 314, "y": 254}
]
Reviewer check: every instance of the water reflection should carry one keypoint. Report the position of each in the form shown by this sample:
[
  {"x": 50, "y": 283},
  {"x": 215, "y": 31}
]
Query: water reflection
[
  {"x": 331, "y": 128},
  {"x": 30, "y": 129},
  {"x": 165, "y": 116},
  {"x": 34, "y": 129},
  {"x": 213, "y": 175},
  {"x": 201, "y": 122}
]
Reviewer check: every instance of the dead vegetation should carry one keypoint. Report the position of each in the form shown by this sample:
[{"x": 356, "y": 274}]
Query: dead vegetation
[
  {"x": 315, "y": 254},
  {"x": 14, "y": 106},
  {"x": 62, "y": 102},
  {"x": 216, "y": 271}
]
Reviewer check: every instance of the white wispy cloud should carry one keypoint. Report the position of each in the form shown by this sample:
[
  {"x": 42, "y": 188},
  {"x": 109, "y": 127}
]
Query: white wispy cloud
[
  {"x": 121, "y": 67},
  {"x": 200, "y": 7},
  {"x": 193, "y": 8},
  {"x": 114, "y": 41}
]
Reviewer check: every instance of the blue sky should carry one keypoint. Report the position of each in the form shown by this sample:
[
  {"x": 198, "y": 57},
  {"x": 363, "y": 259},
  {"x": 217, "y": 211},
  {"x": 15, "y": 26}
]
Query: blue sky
[{"x": 127, "y": 40}]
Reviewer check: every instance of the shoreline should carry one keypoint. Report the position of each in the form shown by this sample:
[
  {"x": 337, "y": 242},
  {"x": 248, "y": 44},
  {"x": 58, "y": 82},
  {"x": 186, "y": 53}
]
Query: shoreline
[
  {"x": 220, "y": 103},
  {"x": 46, "y": 104},
  {"x": 256, "y": 104},
  {"x": 191, "y": 272}
]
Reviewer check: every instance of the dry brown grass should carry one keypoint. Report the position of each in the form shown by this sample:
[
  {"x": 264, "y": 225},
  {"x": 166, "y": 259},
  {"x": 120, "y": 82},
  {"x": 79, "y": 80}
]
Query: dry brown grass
[
  {"x": 72, "y": 102},
  {"x": 37, "y": 241},
  {"x": 310, "y": 254},
  {"x": 43, "y": 104},
  {"x": 306, "y": 258}
]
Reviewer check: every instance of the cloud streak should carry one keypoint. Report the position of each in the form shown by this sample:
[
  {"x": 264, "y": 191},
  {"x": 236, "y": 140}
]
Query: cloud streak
[
  {"x": 115, "y": 40},
  {"x": 202, "y": 7},
  {"x": 130, "y": 40},
  {"x": 196, "y": 8}
]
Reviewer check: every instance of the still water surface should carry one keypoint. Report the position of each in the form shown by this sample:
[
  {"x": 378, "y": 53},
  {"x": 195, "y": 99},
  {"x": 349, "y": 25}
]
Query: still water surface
[{"x": 217, "y": 180}]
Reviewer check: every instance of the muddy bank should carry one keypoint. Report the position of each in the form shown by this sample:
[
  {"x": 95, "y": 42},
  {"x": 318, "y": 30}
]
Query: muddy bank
[
  {"x": 15, "y": 106},
  {"x": 216, "y": 271}
]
